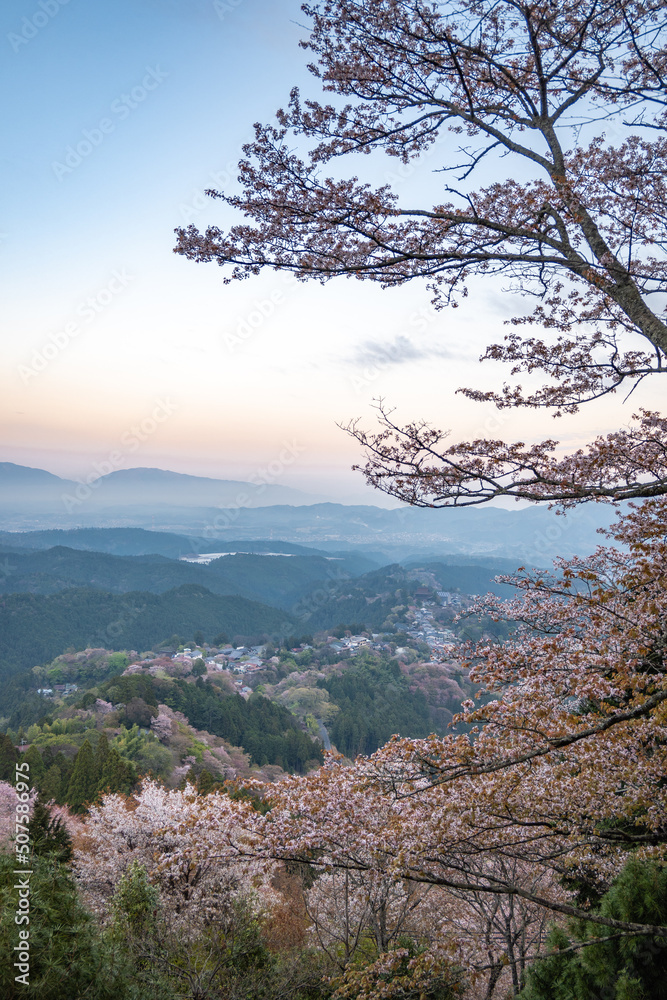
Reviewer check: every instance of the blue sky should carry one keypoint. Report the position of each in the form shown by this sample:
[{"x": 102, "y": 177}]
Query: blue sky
[{"x": 116, "y": 117}]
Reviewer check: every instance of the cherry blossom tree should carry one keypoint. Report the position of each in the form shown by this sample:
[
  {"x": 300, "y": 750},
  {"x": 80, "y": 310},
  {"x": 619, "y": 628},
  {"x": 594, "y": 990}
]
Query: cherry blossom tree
[
  {"x": 8, "y": 802},
  {"x": 569, "y": 96},
  {"x": 363, "y": 913},
  {"x": 562, "y": 780},
  {"x": 189, "y": 846},
  {"x": 559, "y": 785}
]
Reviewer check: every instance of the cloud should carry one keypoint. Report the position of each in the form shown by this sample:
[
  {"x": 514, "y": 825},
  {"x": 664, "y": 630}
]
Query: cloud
[{"x": 399, "y": 351}]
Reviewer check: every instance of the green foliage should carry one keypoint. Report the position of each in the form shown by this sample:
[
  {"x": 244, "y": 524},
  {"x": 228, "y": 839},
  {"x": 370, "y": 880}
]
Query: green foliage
[
  {"x": 138, "y": 713},
  {"x": 124, "y": 689},
  {"x": 68, "y": 956},
  {"x": 37, "y": 769},
  {"x": 375, "y": 702},
  {"x": 135, "y": 903},
  {"x": 267, "y": 732},
  {"x": 51, "y": 784},
  {"x": 117, "y": 774},
  {"x": 38, "y": 627},
  {"x": 118, "y": 661},
  {"x": 84, "y": 781},
  {"x": 144, "y": 751},
  {"x": 629, "y": 968},
  {"x": 49, "y": 835},
  {"x": 8, "y": 758}
]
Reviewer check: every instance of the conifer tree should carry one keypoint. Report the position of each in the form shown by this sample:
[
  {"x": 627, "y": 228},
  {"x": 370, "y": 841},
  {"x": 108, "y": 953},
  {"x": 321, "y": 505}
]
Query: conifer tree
[
  {"x": 8, "y": 758},
  {"x": 632, "y": 968},
  {"x": 68, "y": 958},
  {"x": 83, "y": 783},
  {"x": 117, "y": 775},
  {"x": 102, "y": 750},
  {"x": 33, "y": 757},
  {"x": 49, "y": 834},
  {"x": 51, "y": 784}
]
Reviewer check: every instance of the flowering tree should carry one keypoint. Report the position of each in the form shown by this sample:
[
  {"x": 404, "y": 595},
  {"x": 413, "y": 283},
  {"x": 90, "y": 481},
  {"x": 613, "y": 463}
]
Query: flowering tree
[
  {"x": 563, "y": 779},
  {"x": 531, "y": 90},
  {"x": 189, "y": 846},
  {"x": 561, "y": 783},
  {"x": 363, "y": 912}
]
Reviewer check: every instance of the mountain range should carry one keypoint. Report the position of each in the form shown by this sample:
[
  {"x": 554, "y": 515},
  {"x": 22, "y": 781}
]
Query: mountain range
[
  {"x": 38, "y": 489},
  {"x": 216, "y": 513}
]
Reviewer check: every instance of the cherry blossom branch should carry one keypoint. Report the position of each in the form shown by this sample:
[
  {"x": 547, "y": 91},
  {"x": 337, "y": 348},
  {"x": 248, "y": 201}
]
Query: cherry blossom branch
[{"x": 409, "y": 463}]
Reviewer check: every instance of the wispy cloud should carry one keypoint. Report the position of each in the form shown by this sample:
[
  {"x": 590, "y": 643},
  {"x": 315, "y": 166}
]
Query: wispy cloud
[{"x": 399, "y": 351}]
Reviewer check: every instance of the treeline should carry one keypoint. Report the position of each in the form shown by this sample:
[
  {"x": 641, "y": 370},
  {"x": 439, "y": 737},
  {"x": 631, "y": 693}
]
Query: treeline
[
  {"x": 375, "y": 702},
  {"x": 74, "y": 781},
  {"x": 36, "y": 628},
  {"x": 275, "y": 580},
  {"x": 267, "y": 732}
]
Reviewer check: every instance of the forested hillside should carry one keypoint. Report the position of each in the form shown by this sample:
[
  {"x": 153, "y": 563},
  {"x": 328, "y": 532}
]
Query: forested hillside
[
  {"x": 36, "y": 628},
  {"x": 280, "y": 580}
]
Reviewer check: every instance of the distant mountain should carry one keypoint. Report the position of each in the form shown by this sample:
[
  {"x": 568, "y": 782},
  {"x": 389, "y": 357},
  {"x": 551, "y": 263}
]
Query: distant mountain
[
  {"x": 149, "y": 486},
  {"x": 222, "y": 513},
  {"x": 279, "y": 580},
  {"x": 140, "y": 542},
  {"x": 23, "y": 477},
  {"x": 27, "y": 493}
]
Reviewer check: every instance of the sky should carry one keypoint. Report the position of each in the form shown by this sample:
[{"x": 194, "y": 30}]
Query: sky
[{"x": 116, "y": 118}]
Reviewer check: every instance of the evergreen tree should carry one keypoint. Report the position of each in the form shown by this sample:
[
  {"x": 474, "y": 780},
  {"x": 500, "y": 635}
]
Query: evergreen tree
[
  {"x": 8, "y": 758},
  {"x": 65, "y": 766},
  {"x": 50, "y": 785},
  {"x": 117, "y": 775},
  {"x": 83, "y": 783},
  {"x": 49, "y": 834},
  {"x": 101, "y": 752},
  {"x": 37, "y": 766},
  {"x": 68, "y": 958},
  {"x": 630, "y": 968},
  {"x": 135, "y": 903}
]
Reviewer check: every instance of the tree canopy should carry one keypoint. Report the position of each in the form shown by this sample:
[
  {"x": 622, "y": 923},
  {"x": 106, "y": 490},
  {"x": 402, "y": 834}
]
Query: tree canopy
[
  {"x": 558, "y": 111},
  {"x": 570, "y": 96}
]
